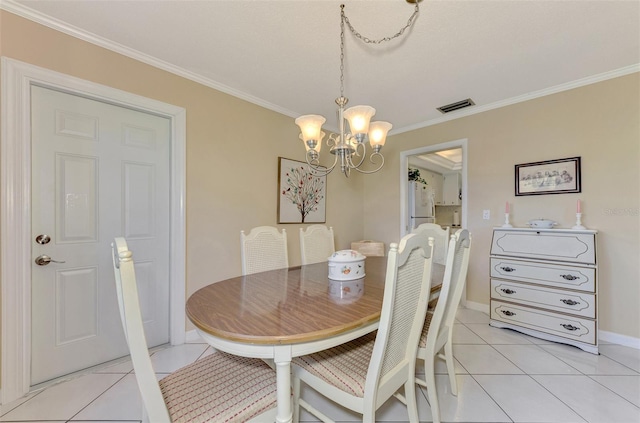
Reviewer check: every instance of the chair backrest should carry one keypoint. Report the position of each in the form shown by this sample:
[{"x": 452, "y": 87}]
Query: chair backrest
[
  {"x": 129, "y": 305},
  {"x": 441, "y": 237},
  {"x": 264, "y": 248},
  {"x": 316, "y": 244},
  {"x": 455, "y": 275},
  {"x": 404, "y": 307}
]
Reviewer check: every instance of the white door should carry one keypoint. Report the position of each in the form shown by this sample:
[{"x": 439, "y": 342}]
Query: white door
[{"x": 98, "y": 171}]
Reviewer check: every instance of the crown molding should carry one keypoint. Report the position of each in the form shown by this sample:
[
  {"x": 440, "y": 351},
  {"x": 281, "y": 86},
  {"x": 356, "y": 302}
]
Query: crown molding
[
  {"x": 627, "y": 70},
  {"x": 35, "y": 16},
  {"x": 56, "y": 24}
]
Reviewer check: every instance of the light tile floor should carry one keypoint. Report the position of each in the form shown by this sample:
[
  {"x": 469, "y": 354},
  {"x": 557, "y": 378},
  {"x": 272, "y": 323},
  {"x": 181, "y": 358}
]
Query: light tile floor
[{"x": 503, "y": 376}]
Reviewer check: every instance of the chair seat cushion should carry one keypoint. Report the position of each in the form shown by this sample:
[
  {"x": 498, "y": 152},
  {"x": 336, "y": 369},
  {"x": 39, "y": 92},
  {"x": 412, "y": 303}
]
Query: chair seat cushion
[
  {"x": 425, "y": 330},
  {"x": 344, "y": 366},
  {"x": 220, "y": 388}
]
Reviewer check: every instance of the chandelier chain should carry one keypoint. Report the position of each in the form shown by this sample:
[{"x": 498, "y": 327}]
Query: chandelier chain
[
  {"x": 381, "y": 40},
  {"x": 342, "y": 50}
]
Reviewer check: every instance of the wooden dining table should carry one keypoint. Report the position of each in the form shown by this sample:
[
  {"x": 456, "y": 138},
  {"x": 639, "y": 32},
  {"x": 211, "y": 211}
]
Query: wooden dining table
[{"x": 287, "y": 313}]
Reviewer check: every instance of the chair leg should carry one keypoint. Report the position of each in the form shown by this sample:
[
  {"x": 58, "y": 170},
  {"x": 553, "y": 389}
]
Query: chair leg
[
  {"x": 430, "y": 377},
  {"x": 448, "y": 353},
  {"x": 296, "y": 400},
  {"x": 419, "y": 381},
  {"x": 412, "y": 403}
]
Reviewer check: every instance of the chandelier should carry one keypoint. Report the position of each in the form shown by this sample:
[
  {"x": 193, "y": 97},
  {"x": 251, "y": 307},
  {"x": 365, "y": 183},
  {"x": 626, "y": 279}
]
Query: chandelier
[{"x": 349, "y": 148}]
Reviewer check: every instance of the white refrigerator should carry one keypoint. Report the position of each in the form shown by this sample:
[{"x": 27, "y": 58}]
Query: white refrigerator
[{"x": 421, "y": 204}]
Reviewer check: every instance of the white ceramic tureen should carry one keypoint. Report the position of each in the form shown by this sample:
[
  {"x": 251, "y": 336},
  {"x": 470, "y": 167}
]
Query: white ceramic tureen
[
  {"x": 542, "y": 223},
  {"x": 346, "y": 265}
]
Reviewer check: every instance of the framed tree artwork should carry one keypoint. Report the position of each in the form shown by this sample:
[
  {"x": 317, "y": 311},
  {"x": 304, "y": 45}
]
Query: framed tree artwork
[{"x": 301, "y": 194}]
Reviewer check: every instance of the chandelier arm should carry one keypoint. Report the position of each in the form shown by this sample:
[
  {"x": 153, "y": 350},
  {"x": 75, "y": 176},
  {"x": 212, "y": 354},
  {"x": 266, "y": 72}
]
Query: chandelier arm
[
  {"x": 372, "y": 161},
  {"x": 316, "y": 169},
  {"x": 384, "y": 39},
  {"x": 359, "y": 153}
]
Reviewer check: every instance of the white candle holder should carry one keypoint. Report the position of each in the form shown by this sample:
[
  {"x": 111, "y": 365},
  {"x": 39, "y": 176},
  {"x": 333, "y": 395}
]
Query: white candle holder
[
  {"x": 578, "y": 222},
  {"x": 506, "y": 221}
]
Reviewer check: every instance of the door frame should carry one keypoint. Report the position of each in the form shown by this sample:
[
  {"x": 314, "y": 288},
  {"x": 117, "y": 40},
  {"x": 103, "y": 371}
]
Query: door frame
[
  {"x": 404, "y": 167},
  {"x": 15, "y": 209}
]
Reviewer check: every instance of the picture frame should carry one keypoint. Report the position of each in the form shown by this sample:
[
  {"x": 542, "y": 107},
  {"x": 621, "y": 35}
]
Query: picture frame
[
  {"x": 560, "y": 176},
  {"x": 301, "y": 194}
]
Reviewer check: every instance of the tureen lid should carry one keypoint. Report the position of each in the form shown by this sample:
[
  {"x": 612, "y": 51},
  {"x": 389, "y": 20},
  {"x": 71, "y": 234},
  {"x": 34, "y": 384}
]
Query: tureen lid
[{"x": 346, "y": 255}]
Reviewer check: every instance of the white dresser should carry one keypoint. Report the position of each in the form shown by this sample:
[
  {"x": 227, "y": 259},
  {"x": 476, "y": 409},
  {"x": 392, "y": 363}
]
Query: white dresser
[{"x": 544, "y": 282}]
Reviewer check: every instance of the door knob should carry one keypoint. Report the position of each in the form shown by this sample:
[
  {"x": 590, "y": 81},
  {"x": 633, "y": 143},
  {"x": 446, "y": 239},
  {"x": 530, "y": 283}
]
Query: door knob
[{"x": 43, "y": 260}]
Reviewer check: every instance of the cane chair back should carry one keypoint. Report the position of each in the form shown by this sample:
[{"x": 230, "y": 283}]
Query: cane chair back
[
  {"x": 316, "y": 244},
  {"x": 441, "y": 238},
  {"x": 263, "y": 249}
]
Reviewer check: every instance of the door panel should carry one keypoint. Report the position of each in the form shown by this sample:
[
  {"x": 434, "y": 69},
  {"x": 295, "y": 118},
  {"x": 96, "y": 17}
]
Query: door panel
[{"x": 98, "y": 171}]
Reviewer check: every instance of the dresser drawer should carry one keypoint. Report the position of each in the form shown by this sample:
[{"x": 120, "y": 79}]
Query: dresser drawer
[
  {"x": 576, "y": 328},
  {"x": 559, "y": 276},
  {"x": 545, "y": 245},
  {"x": 548, "y": 298}
]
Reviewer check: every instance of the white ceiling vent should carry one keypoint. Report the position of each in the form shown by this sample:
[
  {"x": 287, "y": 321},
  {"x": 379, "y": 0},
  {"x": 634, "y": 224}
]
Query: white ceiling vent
[{"x": 456, "y": 106}]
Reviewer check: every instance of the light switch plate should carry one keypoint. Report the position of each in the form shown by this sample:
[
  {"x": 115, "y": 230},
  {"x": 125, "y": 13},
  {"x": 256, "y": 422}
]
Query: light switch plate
[{"x": 486, "y": 214}]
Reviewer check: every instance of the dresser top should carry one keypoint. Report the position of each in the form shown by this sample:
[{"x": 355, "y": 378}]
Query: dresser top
[{"x": 523, "y": 229}]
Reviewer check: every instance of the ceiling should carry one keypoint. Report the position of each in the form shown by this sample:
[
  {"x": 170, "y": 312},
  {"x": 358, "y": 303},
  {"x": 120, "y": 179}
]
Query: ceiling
[
  {"x": 284, "y": 55},
  {"x": 441, "y": 161}
]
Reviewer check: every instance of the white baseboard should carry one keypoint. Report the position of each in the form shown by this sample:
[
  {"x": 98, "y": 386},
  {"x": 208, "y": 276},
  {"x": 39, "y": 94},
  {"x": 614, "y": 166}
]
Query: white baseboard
[
  {"x": 477, "y": 306},
  {"x": 616, "y": 338},
  {"x": 193, "y": 337},
  {"x": 603, "y": 336}
]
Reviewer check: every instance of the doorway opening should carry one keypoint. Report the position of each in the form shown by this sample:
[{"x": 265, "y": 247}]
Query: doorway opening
[{"x": 440, "y": 170}]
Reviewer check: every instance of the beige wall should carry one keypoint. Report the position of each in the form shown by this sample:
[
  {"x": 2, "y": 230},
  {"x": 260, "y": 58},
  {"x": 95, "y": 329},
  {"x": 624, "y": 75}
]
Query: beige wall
[
  {"x": 232, "y": 150},
  {"x": 598, "y": 122},
  {"x": 232, "y": 165}
]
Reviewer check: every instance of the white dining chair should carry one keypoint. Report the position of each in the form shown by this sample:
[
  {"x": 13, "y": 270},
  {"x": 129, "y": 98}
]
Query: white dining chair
[
  {"x": 436, "y": 338},
  {"x": 316, "y": 244},
  {"x": 362, "y": 374},
  {"x": 263, "y": 249},
  {"x": 441, "y": 237},
  {"x": 220, "y": 387}
]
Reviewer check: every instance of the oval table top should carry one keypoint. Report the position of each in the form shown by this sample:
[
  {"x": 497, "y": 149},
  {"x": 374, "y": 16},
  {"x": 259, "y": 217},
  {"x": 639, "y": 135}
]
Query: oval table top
[{"x": 286, "y": 306}]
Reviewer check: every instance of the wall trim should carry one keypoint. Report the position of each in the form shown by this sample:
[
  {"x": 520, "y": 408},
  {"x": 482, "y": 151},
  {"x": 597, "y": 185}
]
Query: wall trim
[
  {"x": 627, "y": 70},
  {"x": 603, "y": 336},
  {"x": 58, "y": 25},
  {"x": 15, "y": 209},
  {"x": 472, "y": 305},
  {"x": 616, "y": 338},
  {"x": 194, "y": 337}
]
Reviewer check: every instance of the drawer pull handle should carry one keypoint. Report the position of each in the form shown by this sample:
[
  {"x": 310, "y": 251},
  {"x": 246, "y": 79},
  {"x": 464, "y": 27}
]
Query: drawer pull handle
[
  {"x": 510, "y": 313},
  {"x": 569, "y": 327},
  {"x": 508, "y": 291},
  {"x": 570, "y": 277},
  {"x": 570, "y": 302},
  {"x": 507, "y": 269}
]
